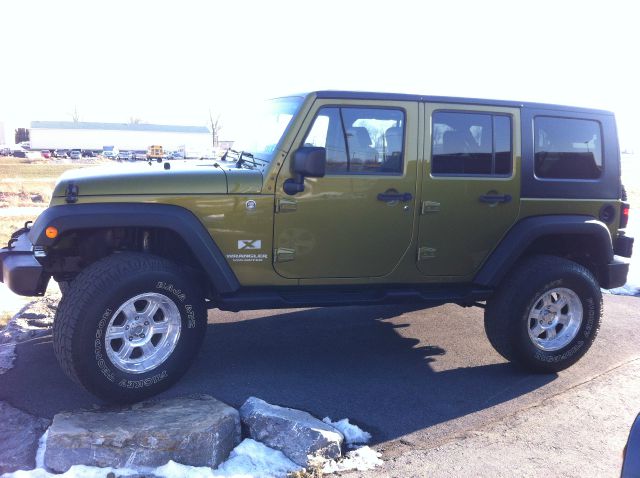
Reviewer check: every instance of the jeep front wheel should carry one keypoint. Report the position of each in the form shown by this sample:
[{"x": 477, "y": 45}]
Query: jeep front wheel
[
  {"x": 546, "y": 314},
  {"x": 129, "y": 326}
]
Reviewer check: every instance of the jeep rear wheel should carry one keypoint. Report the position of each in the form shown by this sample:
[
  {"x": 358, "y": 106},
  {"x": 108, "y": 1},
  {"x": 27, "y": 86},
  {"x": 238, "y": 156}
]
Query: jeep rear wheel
[
  {"x": 546, "y": 314},
  {"x": 129, "y": 326}
]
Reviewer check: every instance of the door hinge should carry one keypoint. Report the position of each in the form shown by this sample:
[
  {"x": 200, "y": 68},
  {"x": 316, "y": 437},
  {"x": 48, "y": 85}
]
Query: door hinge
[
  {"x": 430, "y": 206},
  {"x": 426, "y": 253},
  {"x": 283, "y": 254},
  {"x": 286, "y": 205}
]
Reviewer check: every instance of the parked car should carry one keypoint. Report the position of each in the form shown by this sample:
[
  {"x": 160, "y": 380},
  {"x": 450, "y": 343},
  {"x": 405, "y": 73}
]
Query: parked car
[
  {"x": 110, "y": 152},
  {"x": 45, "y": 153},
  {"x": 5, "y": 151},
  {"x": 60, "y": 153},
  {"x": 87, "y": 153},
  {"x": 177, "y": 155},
  {"x": 515, "y": 208},
  {"x": 19, "y": 153},
  {"x": 75, "y": 154},
  {"x": 126, "y": 156},
  {"x": 140, "y": 156}
]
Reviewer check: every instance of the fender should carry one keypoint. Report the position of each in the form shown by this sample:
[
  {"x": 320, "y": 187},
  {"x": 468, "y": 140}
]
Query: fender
[
  {"x": 178, "y": 219},
  {"x": 525, "y": 232}
]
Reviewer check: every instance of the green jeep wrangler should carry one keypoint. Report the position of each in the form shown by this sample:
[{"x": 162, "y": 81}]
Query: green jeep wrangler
[{"x": 338, "y": 198}]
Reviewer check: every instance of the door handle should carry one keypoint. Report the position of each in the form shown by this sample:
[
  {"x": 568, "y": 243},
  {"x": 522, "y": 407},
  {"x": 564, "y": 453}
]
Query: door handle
[
  {"x": 495, "y": 198},
  {"x": 390, "y": 197}
]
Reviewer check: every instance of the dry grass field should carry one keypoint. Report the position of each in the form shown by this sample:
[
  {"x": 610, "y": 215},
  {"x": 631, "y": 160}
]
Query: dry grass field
[{"x": 28, "y": 183}]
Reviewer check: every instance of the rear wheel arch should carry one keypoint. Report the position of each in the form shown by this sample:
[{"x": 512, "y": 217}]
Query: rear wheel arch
[{"x": 581, "y": 239}]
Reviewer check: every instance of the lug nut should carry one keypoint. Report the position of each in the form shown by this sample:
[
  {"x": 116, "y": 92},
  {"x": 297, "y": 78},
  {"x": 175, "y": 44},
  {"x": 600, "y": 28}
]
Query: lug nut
[
  {"x": 142, "y": 336},
  {"x": 146, "y": 322},
  {"x": 130, "y": 337},
  {"x": 126, "y": 327}
]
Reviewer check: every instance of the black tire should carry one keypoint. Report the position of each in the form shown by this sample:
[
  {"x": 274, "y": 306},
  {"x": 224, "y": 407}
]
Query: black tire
[
  {"x": 507, "y": 321},
  {"x": 63, "y": 286},
  {"x": 87, "y": 309}
]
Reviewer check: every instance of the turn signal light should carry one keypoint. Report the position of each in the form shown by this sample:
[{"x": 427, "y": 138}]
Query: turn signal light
[
  {"x": 51, "y": 232},
  {"x": 624, "y": 215}
]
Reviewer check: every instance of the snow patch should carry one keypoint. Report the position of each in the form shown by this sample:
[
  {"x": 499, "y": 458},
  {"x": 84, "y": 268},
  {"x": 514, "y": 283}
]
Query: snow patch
[
  {"x": 42, "y": 447},
  {"x": 362, "y": 459},
  {"x": 176, "y": 470},
  {"x": 353, "y": 434},
  {"x": 76, "y": 471},
  {"x": 37, "y": 473},
  {"x": 251, "y": 458}
]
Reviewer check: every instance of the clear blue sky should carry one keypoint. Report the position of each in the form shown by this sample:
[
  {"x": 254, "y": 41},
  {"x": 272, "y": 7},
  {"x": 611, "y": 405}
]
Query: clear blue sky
[{"x": 169, "y": 62}]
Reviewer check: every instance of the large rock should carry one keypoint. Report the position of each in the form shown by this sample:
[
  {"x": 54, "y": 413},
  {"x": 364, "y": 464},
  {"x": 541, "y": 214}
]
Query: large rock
[
  {"x": 197, "y": 431},
  {"x": 7, "y": 356},
  {"x": 19, "y": 435},
  {"x": 34, "y": 320},
  {"x": 297, "y": 434}
]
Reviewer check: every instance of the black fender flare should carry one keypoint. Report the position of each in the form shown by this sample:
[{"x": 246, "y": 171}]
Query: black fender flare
[
  {"x": 526, "y": 231},
  {"x": 178, "y": 219}
]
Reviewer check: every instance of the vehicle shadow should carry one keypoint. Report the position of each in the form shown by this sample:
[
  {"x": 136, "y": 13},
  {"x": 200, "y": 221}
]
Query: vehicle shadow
[
  {"x": 350, "y": 362},
  {"x": 393, "y": 370}
]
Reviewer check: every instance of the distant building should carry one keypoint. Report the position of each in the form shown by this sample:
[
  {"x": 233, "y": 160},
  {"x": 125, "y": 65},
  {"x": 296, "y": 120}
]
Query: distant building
[{"x": 84, "y": 135}]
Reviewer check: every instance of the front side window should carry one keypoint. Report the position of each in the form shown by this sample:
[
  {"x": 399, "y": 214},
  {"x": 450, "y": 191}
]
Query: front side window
[
  {"x": 471, "y": 144},
  {"x": 359, "y": 140},
  {"x": 567, "y": 148}
]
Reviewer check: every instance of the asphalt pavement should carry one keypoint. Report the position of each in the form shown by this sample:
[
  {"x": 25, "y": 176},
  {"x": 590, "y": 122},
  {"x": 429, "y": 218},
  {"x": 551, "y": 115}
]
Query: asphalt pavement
[{"x": 412, "y": 376}]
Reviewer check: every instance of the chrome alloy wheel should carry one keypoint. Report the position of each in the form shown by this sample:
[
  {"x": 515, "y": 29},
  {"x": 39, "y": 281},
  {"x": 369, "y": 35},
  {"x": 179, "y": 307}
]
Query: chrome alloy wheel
[
  {"x": 143, "y": 333},
  {"x": 555, "y": 318}
]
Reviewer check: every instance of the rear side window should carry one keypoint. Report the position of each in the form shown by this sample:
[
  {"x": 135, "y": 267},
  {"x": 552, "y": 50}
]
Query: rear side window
[
  {"x": 567, "y": 148},
  {"x": 471, "y": 144}
]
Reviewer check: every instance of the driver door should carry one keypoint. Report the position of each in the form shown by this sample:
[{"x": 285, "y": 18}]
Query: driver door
[{"x": 357, "y": 220}]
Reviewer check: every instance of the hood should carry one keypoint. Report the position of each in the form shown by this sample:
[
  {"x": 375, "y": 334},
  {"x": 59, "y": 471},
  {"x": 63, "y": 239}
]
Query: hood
[{"x": 144, "y": 179}]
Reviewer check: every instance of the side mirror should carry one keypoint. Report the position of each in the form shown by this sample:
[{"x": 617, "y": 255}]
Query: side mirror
[{"x": 308, "y": 161}]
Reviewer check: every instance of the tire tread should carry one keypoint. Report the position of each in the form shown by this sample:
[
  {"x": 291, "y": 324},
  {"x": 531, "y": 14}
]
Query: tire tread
[
  {"x": 88, "y": 284},
  {"x": 499, "y": 316}
]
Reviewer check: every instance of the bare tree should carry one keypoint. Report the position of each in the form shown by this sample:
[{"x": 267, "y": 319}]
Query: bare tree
[
  {"x": 75, "y": 116},
  {"x": 134, "y": 120},
  {"x": 216, "y": 126}
]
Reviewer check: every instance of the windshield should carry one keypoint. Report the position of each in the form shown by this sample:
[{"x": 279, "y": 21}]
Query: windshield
[{"x": 262, "y": 133}]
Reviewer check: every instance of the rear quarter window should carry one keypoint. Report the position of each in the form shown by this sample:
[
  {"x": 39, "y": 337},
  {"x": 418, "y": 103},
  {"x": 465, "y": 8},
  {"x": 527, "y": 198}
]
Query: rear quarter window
[{"x": 567, "y": 148}]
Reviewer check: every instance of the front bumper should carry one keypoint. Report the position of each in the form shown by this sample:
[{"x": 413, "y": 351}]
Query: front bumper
[{"x": 20, "y": 270}]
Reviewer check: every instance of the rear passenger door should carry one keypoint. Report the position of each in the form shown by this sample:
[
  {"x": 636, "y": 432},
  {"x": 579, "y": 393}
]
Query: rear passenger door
[{"x": 470, "y": 187}]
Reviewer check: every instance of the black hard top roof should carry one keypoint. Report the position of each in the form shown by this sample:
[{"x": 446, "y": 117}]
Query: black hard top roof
[{"x": 364, "y": 95}]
